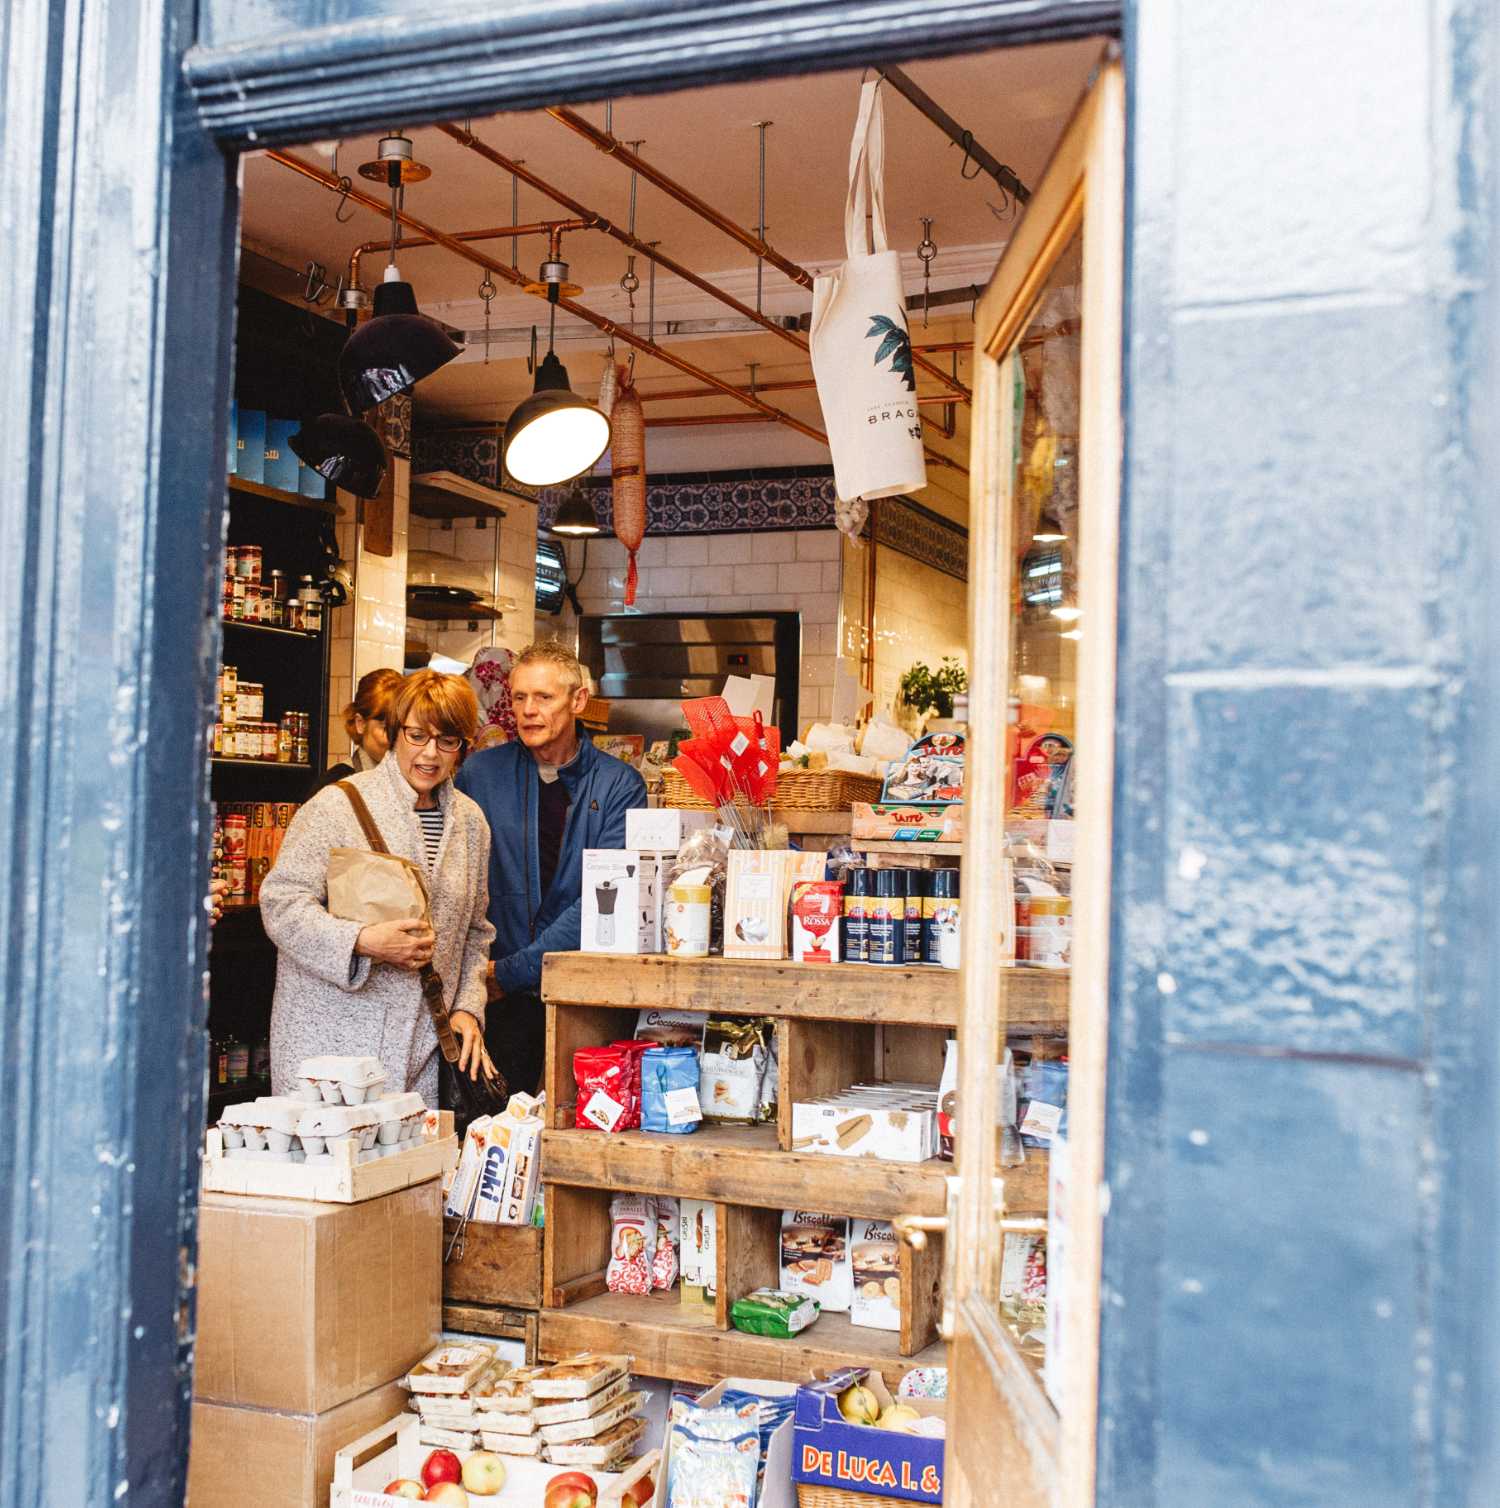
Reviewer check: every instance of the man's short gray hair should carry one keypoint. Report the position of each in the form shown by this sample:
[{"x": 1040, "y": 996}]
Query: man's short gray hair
[{"x": 553, "y": 652}]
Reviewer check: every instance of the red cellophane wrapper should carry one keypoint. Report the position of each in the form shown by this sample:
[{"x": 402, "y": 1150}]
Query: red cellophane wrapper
[{"x": 609, "y": 1088}]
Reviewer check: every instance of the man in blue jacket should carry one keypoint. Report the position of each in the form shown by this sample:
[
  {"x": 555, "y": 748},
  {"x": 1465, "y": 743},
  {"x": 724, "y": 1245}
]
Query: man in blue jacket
[{"x": 546, "y": 797}]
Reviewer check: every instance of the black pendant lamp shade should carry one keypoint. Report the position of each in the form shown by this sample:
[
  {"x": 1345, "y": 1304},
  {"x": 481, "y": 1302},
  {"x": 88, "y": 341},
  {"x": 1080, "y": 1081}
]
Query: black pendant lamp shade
[
  {"x": 554, "y": 435},
  {"x": 344, "y": 450},
  {"x": 393, "y": 350},
  {"x": 576, "y": 518}
]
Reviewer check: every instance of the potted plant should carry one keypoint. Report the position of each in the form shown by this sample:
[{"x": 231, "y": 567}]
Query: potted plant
[{"x": 927, "y": 691}]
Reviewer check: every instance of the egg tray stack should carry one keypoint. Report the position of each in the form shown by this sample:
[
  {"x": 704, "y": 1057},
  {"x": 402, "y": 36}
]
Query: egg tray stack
[{"x": 579, "y": 1412}]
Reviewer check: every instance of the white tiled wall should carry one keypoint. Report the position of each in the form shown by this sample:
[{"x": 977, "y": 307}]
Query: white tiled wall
[
  {"x": 792, "y": 570},
  {"x": 920, "y": 614},
  {"x": 507, "y": 552}
]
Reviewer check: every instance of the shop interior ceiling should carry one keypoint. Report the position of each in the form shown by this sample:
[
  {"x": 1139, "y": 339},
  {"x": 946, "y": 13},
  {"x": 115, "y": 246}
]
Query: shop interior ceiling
[{"x": 1016, "y": 103}]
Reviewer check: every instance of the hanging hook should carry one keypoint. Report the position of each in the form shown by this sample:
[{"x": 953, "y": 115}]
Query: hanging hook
[
  {"x": 531, "y": 357},
  {"x": 487, "y": 292},
  {"x": 966, "y": 141},
  {"x": 926, "y": 251},
  {"x": 315, "y": 283}
]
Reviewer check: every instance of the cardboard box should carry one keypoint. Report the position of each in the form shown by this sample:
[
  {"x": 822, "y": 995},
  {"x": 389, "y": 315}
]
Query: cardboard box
[
  {"x": 815, "y": 1258},
  {"x": 304, "y": 1306},
  {"x": 663, "y": 829},
  {"x": 893, "y": 822},
  {"x": 282, "y": 464},
  {"x": 621, "y": 902},
  {"x": 523, "y": 1171},
  {"x": 871, "y": 1126},
  {"x": 697, "y": 1256},
  {"x": 829, "y": 1451},
  {"x": 257, "y": 1458},
  {"x": 758, "y": 895},
  {"x": 875, "y": 1259},
  {"x": 250, "y": 444},
  {"x": 234, "y": 436}
]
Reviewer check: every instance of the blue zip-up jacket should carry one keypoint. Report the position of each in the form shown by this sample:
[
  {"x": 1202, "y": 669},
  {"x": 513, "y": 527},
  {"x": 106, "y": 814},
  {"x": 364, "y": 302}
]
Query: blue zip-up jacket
[{"x": 505, "y": 783}]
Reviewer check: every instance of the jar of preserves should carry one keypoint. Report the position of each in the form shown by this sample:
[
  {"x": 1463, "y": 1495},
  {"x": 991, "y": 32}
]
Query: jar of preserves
[
  {"x": 286, "y": 741},
  {"x": 270, "y": 737},
  {"x": 312, "y": 614},
  {"x": 250, "y": 562},
  {"x": 278, "y": 585}
]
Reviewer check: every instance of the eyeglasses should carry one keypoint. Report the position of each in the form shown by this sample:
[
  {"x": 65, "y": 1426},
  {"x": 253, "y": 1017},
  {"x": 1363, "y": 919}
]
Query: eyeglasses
[{"x": 449, "y": 743}]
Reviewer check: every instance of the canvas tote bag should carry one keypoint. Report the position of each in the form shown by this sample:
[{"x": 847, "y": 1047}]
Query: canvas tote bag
[{"x": 861, "y": 349}]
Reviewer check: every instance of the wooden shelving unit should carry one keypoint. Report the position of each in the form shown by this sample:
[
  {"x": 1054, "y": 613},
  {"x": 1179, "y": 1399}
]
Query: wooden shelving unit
[
  {"x": 836, "y": 1025},
  {"x": 446, "y": 495},
  {"x": 238, "y": 626},
  {"x": 246, "y": 488}
]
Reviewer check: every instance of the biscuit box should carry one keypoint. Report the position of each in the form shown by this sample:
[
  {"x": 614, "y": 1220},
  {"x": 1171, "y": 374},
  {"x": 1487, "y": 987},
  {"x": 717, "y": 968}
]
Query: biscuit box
[{"x": 828, "y": 1451}]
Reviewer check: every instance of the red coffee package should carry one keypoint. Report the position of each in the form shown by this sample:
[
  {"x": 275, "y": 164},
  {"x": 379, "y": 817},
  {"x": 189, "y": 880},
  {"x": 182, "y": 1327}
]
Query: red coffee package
[{"x": 609, "y": 1088}]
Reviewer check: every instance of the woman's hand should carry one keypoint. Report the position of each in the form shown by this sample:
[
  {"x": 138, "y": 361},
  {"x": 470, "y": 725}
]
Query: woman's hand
[
  {"x": 405, "y": 944},
  {"x": 218, "y": 892},
  {"x": 471, "y": 1050}
]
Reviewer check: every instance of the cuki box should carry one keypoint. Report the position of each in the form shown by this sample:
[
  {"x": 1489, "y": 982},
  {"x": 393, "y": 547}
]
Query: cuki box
[{"x": 829, "y": 1451}]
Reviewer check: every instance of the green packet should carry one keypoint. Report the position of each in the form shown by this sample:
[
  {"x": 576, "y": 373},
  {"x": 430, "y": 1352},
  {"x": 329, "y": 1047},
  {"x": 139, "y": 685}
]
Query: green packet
[{"x": 768, "y": 1311}]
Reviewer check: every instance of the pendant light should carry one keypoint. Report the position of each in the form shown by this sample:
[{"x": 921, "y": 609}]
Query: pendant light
[
  {"x": 576, "y": 518},
  {"x": 397, "y": 347},
  {"x": 554, "y": 434},
  {"x": 344, "y": 450}
]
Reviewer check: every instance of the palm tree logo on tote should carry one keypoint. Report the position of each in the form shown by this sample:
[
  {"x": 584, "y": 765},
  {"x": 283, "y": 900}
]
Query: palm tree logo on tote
[{"x": 894, "y": 343}]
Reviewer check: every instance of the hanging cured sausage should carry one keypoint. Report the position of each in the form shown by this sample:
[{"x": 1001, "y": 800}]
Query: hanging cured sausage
[{"x": 628, "y": 472}]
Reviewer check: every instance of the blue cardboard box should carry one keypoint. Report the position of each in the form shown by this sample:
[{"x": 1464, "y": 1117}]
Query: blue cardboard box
[
  {"x": 250, "y": 444},
  {"x": 831, "y": 1452},
  {"x": 234, "y": 436},
  {"x": 312, "y": 483},
  {"x": 282, "y": 464}
]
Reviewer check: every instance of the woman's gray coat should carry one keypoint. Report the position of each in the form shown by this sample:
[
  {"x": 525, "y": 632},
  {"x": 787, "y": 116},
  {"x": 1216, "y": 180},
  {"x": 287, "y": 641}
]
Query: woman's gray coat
[{"x": 328, "y": 1000}]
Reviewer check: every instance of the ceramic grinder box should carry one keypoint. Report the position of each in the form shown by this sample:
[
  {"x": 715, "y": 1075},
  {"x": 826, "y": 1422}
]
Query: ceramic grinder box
[
  {"x": 621, "y": 902},
  {"x": 303, "y": 1306}
]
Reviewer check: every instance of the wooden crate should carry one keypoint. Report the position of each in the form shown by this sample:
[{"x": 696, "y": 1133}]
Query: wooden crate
[{"x": 493, "y": 1264}]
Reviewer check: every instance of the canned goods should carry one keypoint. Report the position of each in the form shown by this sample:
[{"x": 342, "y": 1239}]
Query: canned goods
[
  {"x": 236, "y": 836},
  {"x": 687, "y": 920},
  {"x": 886, "y": 912},
  {"x": 856, "y": 922},
  {"x": 940, "y": 912},
  {"x": 916, "y": 890},
  {"x": 1044, "y": 930}
]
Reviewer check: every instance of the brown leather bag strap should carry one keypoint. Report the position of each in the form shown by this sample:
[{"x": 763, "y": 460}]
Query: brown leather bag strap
[{"x": 432, "y": 984}]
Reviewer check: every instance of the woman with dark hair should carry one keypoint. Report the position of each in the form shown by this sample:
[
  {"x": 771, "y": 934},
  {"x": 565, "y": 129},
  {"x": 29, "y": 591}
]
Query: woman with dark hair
[
  {"x": 364, "y": 721},
  {"x": 351, "y": 989}
]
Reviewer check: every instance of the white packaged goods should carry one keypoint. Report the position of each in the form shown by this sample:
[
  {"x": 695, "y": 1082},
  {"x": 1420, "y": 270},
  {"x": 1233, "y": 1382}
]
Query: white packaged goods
[
  {"x": 580, "y": 1408},
  {"x": 399, "y": 1117},
  {"x": 609, "y": 1451},
  {"x": 864, "y": 1128},
  {"x": 621, "y": 902},
  {"x": 509, "y": 1424},
  {"x": 494, "y": 1156},
  {"x": 347, "y": 1081},
  {"x": 876, "y": 1260},
  {"x": 815, "y": 1258},
  {"x": 523, "y": 1171},
  {"x": 510, "y": 1394},
  {"x": 579, "y": 1376},
  {"x": 861, "y": 350},
  {"x": 510, "y": 1445},
  {"x": 624, "y": 1407},
  {"x": 662, "y": 829},
  {"x": 756, "y": 897},
  {"x": 450, "y": 1368},
  {"x": 466, "y": 1179}
]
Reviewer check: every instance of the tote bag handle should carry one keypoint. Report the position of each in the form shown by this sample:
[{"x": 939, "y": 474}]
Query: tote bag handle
[
  {"x": 866, "y": 176},
  {"x": 432, "y": 984}
]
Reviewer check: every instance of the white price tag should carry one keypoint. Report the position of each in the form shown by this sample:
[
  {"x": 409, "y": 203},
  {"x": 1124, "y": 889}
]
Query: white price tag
[
  {"x": 1042, "y": 1120},
  {"x": 682, "y": 1106},
  {"x": 603, "y": 1111}
]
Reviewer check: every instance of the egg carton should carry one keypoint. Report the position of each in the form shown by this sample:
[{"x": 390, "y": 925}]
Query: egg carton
[{"x": 339, "y": 1081}]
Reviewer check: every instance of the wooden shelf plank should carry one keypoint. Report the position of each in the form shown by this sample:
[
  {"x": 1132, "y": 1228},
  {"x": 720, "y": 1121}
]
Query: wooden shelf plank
[
  {"x": 446, "y": 495},
  {"x": 666, "y": 1342},
  {"x": 271, "y": 628},
  {"x": 922, "y": 995},
  {"x": 276, "y": 495},
  {"x": 259, "y": 764}
]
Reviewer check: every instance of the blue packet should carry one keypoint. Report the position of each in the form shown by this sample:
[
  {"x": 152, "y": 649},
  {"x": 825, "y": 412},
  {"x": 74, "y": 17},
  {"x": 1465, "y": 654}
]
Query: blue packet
[
  {"x": 1044, "y": 1102},
  {"x": 669, "y": 1090}
]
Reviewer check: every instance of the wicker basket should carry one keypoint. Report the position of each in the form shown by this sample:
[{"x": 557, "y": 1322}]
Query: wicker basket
[
  {"x": 816, "y": 1495},
  {"x": 796, "y": 791}
]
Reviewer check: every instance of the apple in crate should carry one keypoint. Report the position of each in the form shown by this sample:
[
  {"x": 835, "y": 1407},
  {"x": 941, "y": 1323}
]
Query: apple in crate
[
  {"x": 571, "y": 1490},
  {"x": 441, "y": 1466},
  {"x": 638, "y": 1494},
  {"x": 449, "y": 1493},
  {"x": 404, "y": 1487},
  {"x": 484, "y": 1473}
]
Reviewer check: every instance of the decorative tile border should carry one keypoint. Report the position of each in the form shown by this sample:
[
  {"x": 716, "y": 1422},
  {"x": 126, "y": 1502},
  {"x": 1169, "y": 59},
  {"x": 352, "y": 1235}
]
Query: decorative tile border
[{"x": 762, "y": 501}]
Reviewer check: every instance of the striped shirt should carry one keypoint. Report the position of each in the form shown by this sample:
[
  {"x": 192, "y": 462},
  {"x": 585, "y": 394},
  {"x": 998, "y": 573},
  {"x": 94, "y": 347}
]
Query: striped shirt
[{"x": 431, "y": 819}]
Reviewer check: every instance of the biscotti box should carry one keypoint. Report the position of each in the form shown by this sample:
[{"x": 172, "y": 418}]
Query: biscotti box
[
  {"x": 875, "y": 1260},
  {"x": 863, "y": 1128},
  {"x": 815, "y": 1258}
]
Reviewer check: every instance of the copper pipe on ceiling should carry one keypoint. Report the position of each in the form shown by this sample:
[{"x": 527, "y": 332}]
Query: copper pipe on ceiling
[
  {"x": 549, "y": 228},
  {"x": 799, "y": 385},
  {"x": 518, "y": 279},
  {"x": 691, "y": 421},
  {"x": 612, "y": 147},
  {"x": 596, "y": 221}
]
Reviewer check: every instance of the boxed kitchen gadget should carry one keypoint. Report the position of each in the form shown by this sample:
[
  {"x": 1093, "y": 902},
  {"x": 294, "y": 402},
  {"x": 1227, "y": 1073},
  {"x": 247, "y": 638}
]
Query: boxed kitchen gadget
[
  {"x": 663, "y": 829},
  {"x": 757, "y": 896},
  {"x": 875, "y": 1261},
  {"x": 621, "y": 902},
  {"x": 303, "y": 1306},
  {"x": 815, "y": 1258},
  {"x": 698, "y": 1259},
  {"x": 829, "y": 1451}
]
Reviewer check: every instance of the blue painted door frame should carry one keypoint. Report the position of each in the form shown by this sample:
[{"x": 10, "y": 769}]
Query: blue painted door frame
[{"x": 1300, "y": 1251}]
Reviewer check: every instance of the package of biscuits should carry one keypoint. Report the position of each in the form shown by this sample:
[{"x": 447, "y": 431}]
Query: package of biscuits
[
  {"x": 506, "y": 1392},
  {"x": 610, "y": 1451},
  {"x": 875, "y": 1259},
  {"x": 511, "y": 1445},
  {"x": 626, "y": 1406},
  {"x": 450, "y": 1368},
  {"x": 579, "y": 1376},
  {"x": 569, "y": 1409},
  {"x": 815, "y": 1258}
]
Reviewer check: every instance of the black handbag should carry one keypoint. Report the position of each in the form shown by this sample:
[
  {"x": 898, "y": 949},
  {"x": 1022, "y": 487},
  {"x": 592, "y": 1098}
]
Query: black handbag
[{"x": 468, "y": 1098}]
